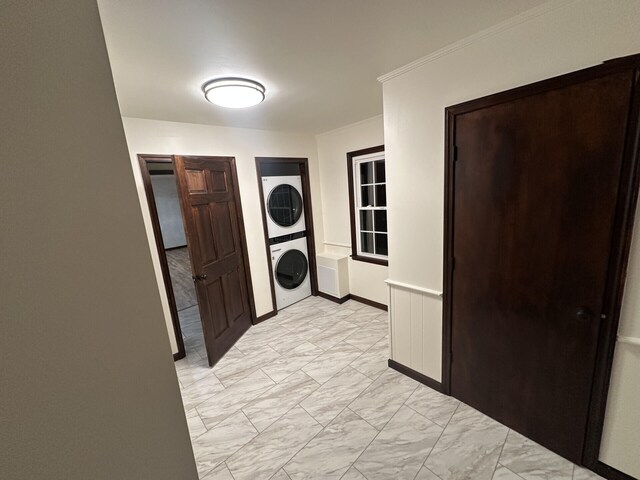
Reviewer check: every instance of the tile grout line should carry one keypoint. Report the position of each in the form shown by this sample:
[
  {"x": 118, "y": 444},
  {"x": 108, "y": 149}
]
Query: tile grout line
[
  {"x": 440, "y": 437},
  {"x": 372, "y": 379},
  {"x": 356, "y": 468},
  {"x": 308, "y": 413},
  {"x": 236, "y": 451},
  {"x": 323, "y": 429},
  {"x": 298, "y": 370},
  {"x": 296, "y": 405},
  {"x": 379, "y": 431},
  {"x": 438, "y": 476},
  {"x": 506, "y": 437},
  {"x": 251, "y": 441},
  {"x": 207, "y": 472},
  {"x": 205, "y": 400},
  {"x": 436, "y": 424},
  {"x": 507, "y": 468},
  {"x": 361, "y": 418},
  {"x": 361, "y": 393},
  {"x": 270, "y": 378},
  {"x": 201, "y": 421},
  {"x": 272, "y": 476},
  {"x": 252, "y": 424},
  {"x": 342, "y": 318},
  {"x": 229, "y": 470},
  {"x": 305, "y": 445},
  {"x": 424, "y": 416}
]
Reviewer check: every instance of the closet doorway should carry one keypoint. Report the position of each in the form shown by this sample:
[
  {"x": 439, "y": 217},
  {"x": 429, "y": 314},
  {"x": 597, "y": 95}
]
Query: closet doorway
[
  {"x": 196, "y": 214},
  {"x": 541, "y": 186},
  {"x": 285, "y": 200}
]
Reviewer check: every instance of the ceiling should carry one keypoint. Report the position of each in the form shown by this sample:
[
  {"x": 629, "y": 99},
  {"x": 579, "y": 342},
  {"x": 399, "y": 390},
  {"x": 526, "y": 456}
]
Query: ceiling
[{"x": 319, "y": 59}]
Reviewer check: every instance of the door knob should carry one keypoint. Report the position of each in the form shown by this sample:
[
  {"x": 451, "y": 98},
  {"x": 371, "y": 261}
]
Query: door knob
[
  {"x": 199, "y": 277},
  {"x": 583, "y": 314}
]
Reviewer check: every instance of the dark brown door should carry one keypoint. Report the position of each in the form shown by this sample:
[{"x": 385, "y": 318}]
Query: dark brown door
[
  {"x": 536, "y": 183},
  {"x": 210, "y": 203}
]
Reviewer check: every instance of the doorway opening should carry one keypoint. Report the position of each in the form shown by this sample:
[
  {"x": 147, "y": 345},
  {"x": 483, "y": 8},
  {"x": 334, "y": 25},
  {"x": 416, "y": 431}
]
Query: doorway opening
[
  {"x": 198, "y": 227},
  {"x": 158, "y": 178},
  {"x": 285, "y": 200}
]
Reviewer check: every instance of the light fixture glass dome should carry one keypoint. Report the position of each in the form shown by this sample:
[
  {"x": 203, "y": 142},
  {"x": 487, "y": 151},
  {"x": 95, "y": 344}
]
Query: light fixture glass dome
[{"x": 233, "y": 92}]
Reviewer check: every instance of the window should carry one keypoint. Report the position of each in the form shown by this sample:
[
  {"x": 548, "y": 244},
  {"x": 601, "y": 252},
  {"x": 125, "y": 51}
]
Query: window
[{"x": 368, "y": 202}]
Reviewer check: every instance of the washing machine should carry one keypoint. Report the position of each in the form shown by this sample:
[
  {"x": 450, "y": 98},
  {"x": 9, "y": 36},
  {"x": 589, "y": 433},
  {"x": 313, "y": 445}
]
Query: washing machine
[
  {"x": 283, "y": 204},
  {"x": 290, "y": 261}
]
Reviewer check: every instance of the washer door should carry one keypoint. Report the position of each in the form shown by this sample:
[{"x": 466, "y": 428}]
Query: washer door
[
  {"x": 285, "y": 205},
  {"x": 292, "y": 269}
]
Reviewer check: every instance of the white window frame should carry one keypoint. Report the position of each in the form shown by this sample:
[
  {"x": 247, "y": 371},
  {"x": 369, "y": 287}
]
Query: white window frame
[{"x": 357, "y": 192}]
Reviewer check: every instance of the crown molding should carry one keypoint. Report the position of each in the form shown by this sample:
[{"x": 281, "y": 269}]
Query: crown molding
[{"x": 523, "y": 17}]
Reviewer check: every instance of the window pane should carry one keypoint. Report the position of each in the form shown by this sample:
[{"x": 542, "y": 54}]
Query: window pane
[
  {"x": 366, "y": 172},
  {"x": 366, "y": 196},
  {"x": 379, "y": 169},
  {"x": 366, "y": 220},
  {"x": 381, "y": 220},
  {"x": 381, "y": 196},
  {"x": 366, "y": 242},
  {"x": 381, "y": 244}
]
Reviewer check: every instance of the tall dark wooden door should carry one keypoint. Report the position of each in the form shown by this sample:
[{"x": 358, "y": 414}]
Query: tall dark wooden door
[
  {"x": 209, "y": 197},
  {"x": 533, "y": 192}
]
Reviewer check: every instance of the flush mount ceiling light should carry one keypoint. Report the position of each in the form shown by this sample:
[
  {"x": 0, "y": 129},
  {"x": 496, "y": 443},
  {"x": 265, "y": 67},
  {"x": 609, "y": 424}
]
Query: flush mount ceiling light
[{"x": 233, "y": 92}]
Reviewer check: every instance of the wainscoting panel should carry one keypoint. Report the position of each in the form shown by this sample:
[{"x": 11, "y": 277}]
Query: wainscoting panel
[
  {"x": 415, "y": 316},
  {"x": 416, "y": 329},
  {"x": 401, "y": 330},
  {"x": 623, "y": 415}
]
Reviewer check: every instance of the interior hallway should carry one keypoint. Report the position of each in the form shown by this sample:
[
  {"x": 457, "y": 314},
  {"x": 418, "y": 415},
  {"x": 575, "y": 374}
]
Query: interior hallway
[
  {"x": 181, "y": 281},
  {"x": 308, "y": 395}
]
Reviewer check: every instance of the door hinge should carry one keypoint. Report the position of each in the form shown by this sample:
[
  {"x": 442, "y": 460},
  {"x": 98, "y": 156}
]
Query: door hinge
[
  {"x": 455, "y": 153},
  {"x": 453, "y": 263}
]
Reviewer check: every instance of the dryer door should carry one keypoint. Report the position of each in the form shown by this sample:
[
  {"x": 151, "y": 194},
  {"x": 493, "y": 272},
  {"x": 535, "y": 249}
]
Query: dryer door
[
  {"x": 284, "y": 205},
  {"x": 292, "y": 269}
]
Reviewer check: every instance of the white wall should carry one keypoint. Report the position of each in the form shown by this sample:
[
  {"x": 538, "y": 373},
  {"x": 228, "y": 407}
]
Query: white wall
[
  {"x": 623, "y": 408},
  {"x": 557, "y": 38},
  {"x": 160, "y": 137},
  {"x": 88, "y": 388},
  {"x": 365, "y": 279},
  {"x": 165, "y": 192}
]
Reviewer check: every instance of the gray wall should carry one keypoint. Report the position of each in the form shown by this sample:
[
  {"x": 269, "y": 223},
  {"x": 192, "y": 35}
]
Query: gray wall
[
  {"x": 165, "y": 192},
  {"x": 87, "y": 384}
]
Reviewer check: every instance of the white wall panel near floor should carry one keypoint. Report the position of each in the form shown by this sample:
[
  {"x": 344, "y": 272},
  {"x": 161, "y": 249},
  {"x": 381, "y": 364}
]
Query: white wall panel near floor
[
  {"x": 415, "y": 315},
  {"x": 555, "y": 38},
  {"x": 622, "y": 422},
  {"x": 160, "y": 137},
  {"x": 365, "y": 279}
]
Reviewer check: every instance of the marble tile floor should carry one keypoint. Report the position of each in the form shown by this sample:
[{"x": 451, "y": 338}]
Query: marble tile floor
[{"x": 308, "y": 395}]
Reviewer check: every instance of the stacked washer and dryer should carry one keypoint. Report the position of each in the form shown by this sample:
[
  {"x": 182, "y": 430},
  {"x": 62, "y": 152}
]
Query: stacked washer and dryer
[{"x": 287, "y": 227}]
